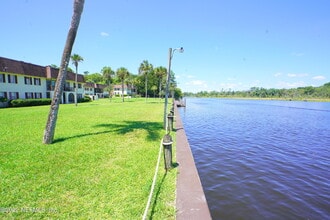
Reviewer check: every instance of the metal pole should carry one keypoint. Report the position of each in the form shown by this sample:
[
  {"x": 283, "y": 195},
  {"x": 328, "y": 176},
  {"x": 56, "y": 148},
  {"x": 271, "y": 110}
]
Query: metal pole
[{"x": 167, "y": 85}]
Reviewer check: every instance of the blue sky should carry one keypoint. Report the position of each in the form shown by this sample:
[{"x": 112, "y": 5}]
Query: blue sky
[{"x": 229, "y": 44}]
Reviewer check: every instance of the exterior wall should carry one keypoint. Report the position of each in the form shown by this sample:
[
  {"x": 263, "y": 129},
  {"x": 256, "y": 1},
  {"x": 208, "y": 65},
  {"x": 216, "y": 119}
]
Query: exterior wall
[
  {"x": 25, "y": 80},
  {"x": 127, "y": 90},
  {"x": 69, "y": 91},
  {"x": 88, "y": 91},
  {"x": 34, "y": 86},
  {"x": 25, "y": 86}
]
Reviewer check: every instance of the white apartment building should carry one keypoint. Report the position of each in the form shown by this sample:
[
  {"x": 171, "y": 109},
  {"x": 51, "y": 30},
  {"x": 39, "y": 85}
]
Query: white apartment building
[{"x": 29, "y": 81}]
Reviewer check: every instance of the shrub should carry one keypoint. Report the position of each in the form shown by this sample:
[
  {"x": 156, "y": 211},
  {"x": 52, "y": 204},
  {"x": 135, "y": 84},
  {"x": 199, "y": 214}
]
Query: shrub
[
  {"x": 29, "y": 102},
  {"x": 85, "y": 99},
  {"x": 3, "y": 99}
]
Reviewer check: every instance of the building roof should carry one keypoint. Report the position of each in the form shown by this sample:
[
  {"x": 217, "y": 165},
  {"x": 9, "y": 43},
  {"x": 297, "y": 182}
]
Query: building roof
[
  {"x": 89, "y": 84},
  {"x": 23, "y": 68},
  {"x": 100, "y": 86},
  {"x": 20, "y": 67},
  {"x": 70, "y": 75},
  {"x": 125, "y": 86}
]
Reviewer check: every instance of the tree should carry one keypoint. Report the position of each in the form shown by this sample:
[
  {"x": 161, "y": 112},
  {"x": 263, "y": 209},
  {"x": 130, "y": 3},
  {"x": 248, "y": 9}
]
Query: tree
[
  {"x": 160, "y": 73},
  {"x": 78, "y": 6},
  {"x": 108, "y": 74},
  {"x": 177, "y": 94},
  {"x": 75, "y": 58},
  {"x": 122, "y": 74},
  {"x": 131, "y": 82},
  {"x": 154, "y": 88},
  {"x": 144, "y": 69},
  {"x": 94, "y": 78},
  {"x": 109, "y": 89}
]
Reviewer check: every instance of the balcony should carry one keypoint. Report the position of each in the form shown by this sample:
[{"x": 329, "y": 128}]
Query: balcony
[{"x": 66, "y": 89}]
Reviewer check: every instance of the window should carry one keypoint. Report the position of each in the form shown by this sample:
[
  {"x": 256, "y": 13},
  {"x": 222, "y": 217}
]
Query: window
[
  {"x": 37, "y": 81},
  {"x": 37, "y": 95},
  {"x": 67, "y": 87},
  {"x": 50, "y": 84},
  {"x": 3, "y": 95},
  {"x": 29, "y": 95},
  {"x": 12, "y": 79},
  {"x": 13, "y": 95},
  {"x": 48, "y": 95},
  {"x": 28, "y": 80},
  {"x": 79, "y": 85},
  {"x": 2, "y": 78}
]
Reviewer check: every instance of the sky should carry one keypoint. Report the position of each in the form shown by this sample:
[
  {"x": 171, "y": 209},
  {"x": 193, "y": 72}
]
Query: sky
[{"x": 228, "y": 44}]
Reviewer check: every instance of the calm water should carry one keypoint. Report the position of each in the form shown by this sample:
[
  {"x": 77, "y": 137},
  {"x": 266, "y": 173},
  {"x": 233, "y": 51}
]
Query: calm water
[{"x": 261, "y": 159}]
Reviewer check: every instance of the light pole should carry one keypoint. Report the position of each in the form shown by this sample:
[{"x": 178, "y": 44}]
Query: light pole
[{"x": 170, "y": 55}]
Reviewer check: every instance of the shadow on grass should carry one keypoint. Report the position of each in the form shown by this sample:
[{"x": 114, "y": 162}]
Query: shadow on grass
[
  {"x": 156, "y": 196},
  {"x": 123, "y": 128}
]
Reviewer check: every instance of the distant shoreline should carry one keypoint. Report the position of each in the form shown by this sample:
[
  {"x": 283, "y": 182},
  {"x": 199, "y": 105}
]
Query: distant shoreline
[{"x": 270, "y": 99}]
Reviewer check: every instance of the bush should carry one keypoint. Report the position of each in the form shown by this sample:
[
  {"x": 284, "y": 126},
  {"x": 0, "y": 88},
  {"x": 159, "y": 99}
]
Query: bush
[
  {"x": 3, "y": 99},
  {"x": 29, "y": 102},
  {"x": 85, "y": 99}
]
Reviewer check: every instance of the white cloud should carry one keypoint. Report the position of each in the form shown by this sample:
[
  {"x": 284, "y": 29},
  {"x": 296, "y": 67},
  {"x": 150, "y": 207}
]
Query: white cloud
[
  {"x": 184, "y": 76},
  {"x": 195, "y": 86},
  {"x": 287, "y": 85},
  {"x": 278, "y": 74},
  {"x": 197, "y": 83},
  {"x": 104, "y": 34},
  {"x": 318, "y": 78},
  {"x": 297, "y": 75},
  {"x": 231, "y": 86}
]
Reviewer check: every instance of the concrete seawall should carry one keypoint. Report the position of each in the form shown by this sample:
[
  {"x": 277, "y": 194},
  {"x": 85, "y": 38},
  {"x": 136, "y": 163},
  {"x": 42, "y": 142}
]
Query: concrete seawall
[{"x": 190, "y": 198}]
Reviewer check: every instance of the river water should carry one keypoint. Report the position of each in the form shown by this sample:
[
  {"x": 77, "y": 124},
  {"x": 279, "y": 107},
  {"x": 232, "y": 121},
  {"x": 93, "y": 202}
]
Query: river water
[{"x": 261, "y": 159}]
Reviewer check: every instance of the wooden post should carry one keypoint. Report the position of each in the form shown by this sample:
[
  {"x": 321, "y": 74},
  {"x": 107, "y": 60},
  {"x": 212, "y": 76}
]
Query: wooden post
[
  {"x": 167, "y": 144},
  {"x": 170, "y": 117}
]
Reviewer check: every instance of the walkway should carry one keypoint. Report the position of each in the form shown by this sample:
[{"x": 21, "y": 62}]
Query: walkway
[{"x": 190, "y": 199}]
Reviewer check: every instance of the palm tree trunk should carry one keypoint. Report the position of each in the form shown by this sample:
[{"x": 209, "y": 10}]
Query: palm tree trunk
[
  {"x": 160, "y": 88},
  {"x": 146, "y": 87},
  {"x": 122, "y": 89},
  {"x": 76, "y": 87},
  {"x": 52, "y": 116}
]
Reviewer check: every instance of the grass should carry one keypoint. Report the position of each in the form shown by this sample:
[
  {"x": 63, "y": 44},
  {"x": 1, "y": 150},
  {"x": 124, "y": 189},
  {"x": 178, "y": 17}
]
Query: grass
[{"x": 100, "y": 166}]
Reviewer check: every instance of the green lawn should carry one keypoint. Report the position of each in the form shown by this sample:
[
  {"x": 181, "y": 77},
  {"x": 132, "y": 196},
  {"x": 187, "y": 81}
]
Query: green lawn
[{"x": 100, "y": 167}]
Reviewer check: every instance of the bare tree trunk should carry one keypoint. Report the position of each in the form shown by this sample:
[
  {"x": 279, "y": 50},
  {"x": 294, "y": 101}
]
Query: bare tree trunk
[{"x": 49, "y": 132}]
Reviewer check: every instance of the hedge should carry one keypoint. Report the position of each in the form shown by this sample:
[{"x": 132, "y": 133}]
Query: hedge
[
  {"x": 85, "y": 99},
  {"x": 29, "y": 102}
]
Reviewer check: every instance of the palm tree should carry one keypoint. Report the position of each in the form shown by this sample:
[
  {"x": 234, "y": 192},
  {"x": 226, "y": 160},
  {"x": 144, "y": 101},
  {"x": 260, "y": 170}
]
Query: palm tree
[
  {"x": 160, "y": 72},
  {"x": 108, "y": 74},
  {"x": 131, "y": 81},
  {"x": 144, "y": 69},
  {"x": 154, "y": 88},
  {"x": 49, "y": 132},
  {"x": 75, "y": 58},
  {"x": 122, "y": 74}
]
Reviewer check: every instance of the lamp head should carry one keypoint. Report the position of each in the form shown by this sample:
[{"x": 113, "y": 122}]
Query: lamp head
[{"x": 181, "y": 49}]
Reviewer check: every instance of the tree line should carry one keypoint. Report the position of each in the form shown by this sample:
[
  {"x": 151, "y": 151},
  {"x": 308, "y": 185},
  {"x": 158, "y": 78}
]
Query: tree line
[
  {"x": 300, "y": 93},
  {"x": 149, "y": 81}
]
